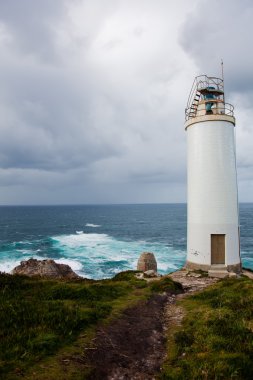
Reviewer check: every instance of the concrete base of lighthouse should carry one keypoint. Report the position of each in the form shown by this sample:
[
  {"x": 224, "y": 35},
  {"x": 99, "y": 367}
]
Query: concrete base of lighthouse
[
  {"x": 214, "y": 248},
  {"x": 235, "y": 268}
]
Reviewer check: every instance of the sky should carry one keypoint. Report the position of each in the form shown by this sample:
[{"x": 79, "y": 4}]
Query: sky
[{"x": 93, "y": 93}]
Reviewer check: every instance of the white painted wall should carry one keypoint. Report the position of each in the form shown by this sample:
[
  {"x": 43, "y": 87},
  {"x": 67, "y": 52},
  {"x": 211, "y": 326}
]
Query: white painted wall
[{"x": 212, "y": 190}]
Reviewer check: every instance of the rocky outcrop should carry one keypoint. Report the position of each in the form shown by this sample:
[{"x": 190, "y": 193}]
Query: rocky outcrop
[
  {"x": 45, "y": 268},
  {"x": 147, "y": 262}
]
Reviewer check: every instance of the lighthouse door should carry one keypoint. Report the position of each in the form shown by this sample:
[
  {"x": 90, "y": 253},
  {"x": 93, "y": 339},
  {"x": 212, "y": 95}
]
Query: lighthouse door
[{"x": 217, "y": 249}]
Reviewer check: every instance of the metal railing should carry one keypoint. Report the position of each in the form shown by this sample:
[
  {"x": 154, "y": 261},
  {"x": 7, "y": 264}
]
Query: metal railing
[
  {"x": 201, "y": 83},
  {"x": 225, "y": 109}
]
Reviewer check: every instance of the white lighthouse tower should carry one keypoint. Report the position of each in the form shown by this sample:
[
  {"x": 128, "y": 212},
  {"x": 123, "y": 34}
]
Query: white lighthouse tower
[{"x": 213, "y": 242}]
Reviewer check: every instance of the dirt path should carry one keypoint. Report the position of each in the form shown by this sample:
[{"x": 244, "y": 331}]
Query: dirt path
[
  {"x": 133, "y": 347},
  {"x": 173, "y": 313}
]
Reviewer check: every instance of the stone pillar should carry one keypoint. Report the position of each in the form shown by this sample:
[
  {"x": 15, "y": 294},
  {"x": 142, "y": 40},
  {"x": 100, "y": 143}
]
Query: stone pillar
[{"x": 147, "y": 262}]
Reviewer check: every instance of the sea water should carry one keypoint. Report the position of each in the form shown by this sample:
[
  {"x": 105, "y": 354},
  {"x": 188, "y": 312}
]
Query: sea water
[{"x": 98, "y": 241}]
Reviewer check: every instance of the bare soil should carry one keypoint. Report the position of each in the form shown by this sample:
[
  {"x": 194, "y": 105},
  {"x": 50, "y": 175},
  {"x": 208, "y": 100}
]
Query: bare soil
[{"x": 133, "y": 346}]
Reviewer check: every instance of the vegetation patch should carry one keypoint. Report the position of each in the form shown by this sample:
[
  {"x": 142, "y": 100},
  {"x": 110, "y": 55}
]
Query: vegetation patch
[
  {"x": 166, "y": 284},
  {"x": 200, "y": 272},
  {"x": 216, "y": 337},
  {"x": 130, "y": 277},
  {"x": 39, "y": 317}
]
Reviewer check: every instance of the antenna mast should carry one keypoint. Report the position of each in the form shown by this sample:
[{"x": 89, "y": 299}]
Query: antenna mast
[{"x": 222, "y": 76}]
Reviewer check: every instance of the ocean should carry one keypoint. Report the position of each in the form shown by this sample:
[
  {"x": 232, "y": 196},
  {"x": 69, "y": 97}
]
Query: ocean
[{"x": 98, "y": 241}]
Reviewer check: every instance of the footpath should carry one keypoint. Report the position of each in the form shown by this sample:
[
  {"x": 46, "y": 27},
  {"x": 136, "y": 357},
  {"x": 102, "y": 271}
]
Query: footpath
[{"x": 134, "y": 346}]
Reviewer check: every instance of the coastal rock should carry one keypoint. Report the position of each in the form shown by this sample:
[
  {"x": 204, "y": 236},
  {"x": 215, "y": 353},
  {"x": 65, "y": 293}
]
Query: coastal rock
[
  {"x": 147, "y": 262},
  {"x": 150, "y": 273},
  {"x": 45, "y": 268}
]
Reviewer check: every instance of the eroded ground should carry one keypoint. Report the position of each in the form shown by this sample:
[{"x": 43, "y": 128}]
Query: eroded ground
[{"x": 134, "y": 346}]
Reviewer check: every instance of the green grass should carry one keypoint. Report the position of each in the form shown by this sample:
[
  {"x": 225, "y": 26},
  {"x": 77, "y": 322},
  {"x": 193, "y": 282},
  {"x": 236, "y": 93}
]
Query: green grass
[
  {"x": 200, "y": 272},
  {"x": 43, "y": 321},
  {"x": 166, "y": 284},
  {"x": 38, "y": 317},
  {"x": 216, "y": 338}
]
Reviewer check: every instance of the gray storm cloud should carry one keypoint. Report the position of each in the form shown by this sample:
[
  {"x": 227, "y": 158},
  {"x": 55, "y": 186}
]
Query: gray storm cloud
[{"x": 92, "y": 95}]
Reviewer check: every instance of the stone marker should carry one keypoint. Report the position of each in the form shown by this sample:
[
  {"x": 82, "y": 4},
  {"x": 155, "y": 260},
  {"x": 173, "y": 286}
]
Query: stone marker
[{"x": 147, "y": 262}]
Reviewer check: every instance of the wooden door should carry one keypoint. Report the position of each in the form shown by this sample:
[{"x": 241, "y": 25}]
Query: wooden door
[{"x": 217, "y": 249}]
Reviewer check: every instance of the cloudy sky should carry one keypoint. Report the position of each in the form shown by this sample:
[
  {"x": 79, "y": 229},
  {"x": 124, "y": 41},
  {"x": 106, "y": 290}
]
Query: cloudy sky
[{"x": 93, "y": 92}]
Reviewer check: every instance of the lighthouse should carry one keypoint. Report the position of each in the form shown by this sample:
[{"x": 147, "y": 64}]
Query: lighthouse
[{"x": 213, "y": 242}]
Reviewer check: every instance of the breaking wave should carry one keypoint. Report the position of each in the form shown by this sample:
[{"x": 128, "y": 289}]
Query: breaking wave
[
  {"x": 91, "y": 255},
  {"x": 102, "y": 256}
]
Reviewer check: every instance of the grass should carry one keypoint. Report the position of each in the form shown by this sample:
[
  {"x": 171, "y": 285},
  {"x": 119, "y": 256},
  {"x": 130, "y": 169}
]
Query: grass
[
  {"x": 216, "y": 337},
  {"x": 38, "y": 317},
  {"x": 166, "y": 284},
  {"x": 44, "y": 321},
  {"x": 200, "y": 272}
]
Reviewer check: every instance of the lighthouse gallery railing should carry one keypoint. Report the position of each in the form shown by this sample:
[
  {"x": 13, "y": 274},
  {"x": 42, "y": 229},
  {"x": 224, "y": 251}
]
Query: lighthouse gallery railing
[{"x": 214, "y": 85}]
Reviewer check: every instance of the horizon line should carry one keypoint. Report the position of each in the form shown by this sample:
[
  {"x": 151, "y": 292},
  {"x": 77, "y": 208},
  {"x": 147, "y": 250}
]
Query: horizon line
[{"x": 101, "y": 204}]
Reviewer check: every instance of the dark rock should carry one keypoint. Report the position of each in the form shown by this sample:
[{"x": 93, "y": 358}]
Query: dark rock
[{"x": 45, "y": 268}]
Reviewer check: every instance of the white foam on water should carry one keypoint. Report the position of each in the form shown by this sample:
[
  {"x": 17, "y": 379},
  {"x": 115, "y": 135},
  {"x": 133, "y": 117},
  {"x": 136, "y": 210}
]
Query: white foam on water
[
  {"x": 94, "y": 255},
  {"x": 22, "y": 251},
  {"x": 79, "y": 232},
  {"x": 167, "y": 267},
  {"x": 8, "y": 266},
  {"x": 92, "y": 225},
  {"x": 100, "y": 255},
  {"x": 74, "y": 264},
  {"x": 82, "y": 240},
  {"x": 163, "y": 266}
]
